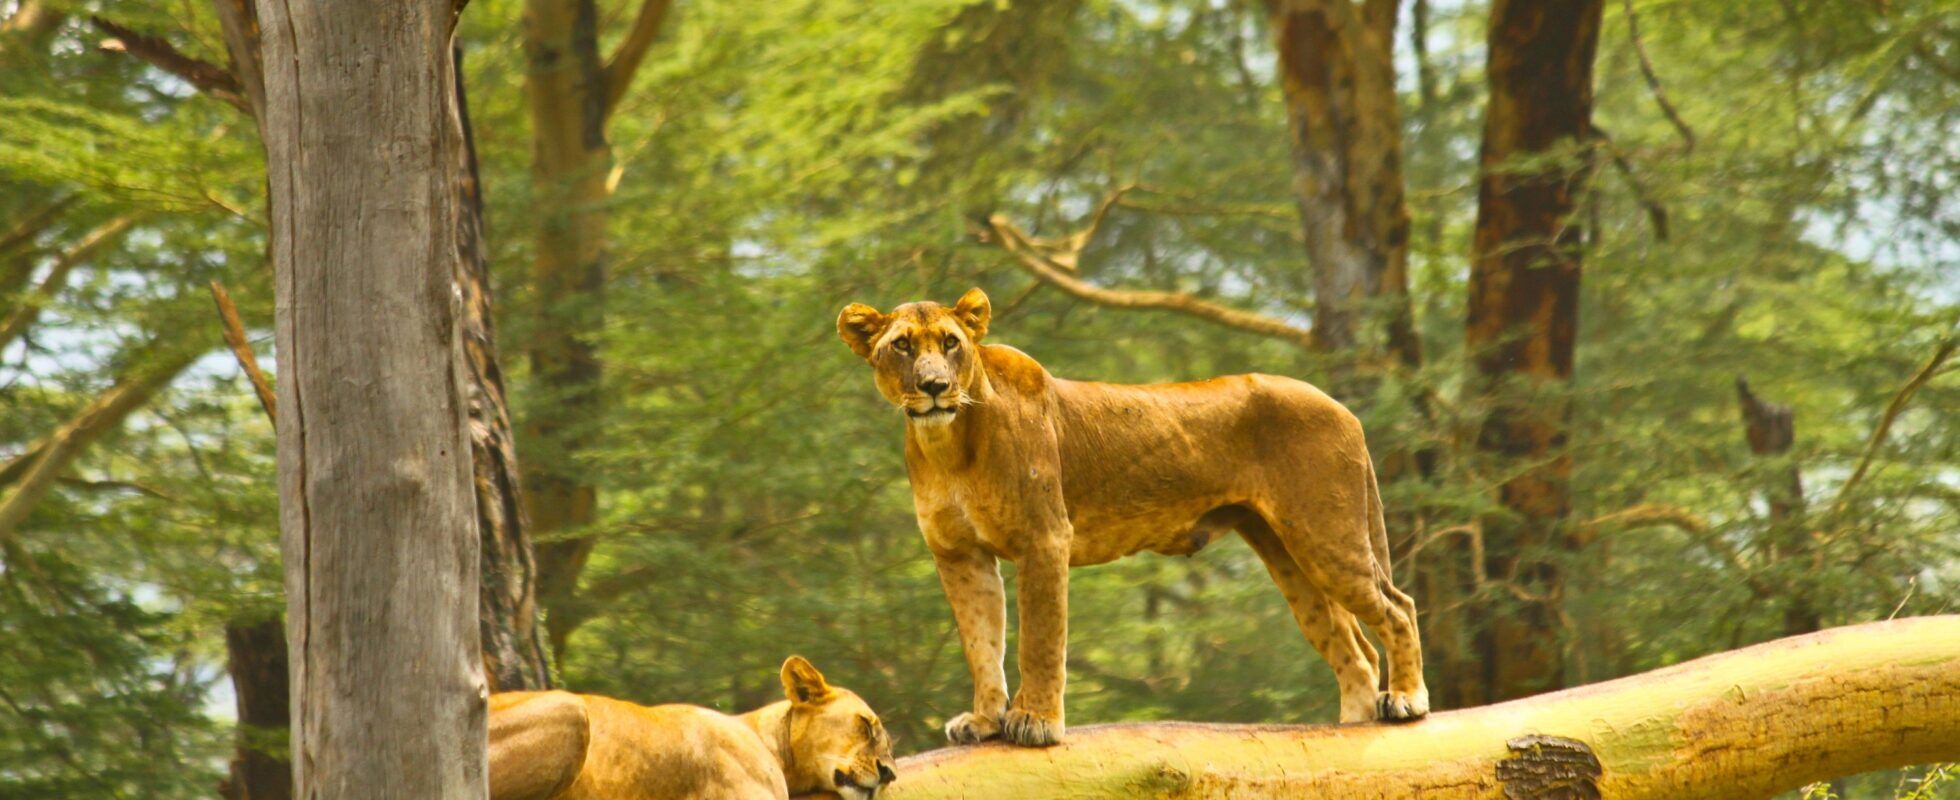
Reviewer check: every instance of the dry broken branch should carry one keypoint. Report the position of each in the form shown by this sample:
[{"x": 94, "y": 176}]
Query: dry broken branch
[
  {"x": 241, "y": 349},
  {"x": 1748, "y": 723},
  {"x": 1054, "y": 261}
]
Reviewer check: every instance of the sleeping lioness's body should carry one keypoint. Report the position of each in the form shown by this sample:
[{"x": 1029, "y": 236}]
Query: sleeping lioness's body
[
  {"x": 1010, "y": 462},
  {"x": 564, "y": 746}
]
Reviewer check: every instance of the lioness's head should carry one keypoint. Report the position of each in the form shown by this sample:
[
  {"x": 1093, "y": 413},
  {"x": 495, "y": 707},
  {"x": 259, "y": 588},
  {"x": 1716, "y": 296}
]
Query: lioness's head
[
  {"x": 835, "y": 741},
  {"x": 924, "y": 354}
]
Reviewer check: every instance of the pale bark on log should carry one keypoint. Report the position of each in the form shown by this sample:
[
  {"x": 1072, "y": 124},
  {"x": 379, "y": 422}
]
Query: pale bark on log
[
  {"x": 1748, "y": 723},
  {"x": 377, "y": 508}
]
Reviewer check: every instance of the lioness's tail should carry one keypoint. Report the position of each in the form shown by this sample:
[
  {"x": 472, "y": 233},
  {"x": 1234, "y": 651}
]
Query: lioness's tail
[{"x": 1377, "y": 528}]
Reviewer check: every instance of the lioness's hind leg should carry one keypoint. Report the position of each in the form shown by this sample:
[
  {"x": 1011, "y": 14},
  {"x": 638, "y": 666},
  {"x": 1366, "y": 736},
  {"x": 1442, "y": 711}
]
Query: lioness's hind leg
[
  {"x": 1328, "y": 627},
  {"x": 1338, "y": 555},
  {"x": 1392, "y": 615}
]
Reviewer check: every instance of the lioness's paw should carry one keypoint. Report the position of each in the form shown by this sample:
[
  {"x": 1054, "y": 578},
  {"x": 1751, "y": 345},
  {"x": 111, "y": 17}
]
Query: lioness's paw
[
  {"x": 1029, "y": 729},
  {"x": 1402, "y": 706},
  {"x": 967, "y": 728}
]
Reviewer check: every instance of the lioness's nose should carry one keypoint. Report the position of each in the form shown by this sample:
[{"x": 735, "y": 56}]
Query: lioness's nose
[
  {"x": 886, "y": 774},
  {"x": 932, "y": 386}
]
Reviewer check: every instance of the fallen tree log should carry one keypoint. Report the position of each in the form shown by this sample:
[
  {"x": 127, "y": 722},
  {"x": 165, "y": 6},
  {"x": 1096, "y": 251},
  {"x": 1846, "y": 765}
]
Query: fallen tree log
[{"x": 1747, "y": 723}]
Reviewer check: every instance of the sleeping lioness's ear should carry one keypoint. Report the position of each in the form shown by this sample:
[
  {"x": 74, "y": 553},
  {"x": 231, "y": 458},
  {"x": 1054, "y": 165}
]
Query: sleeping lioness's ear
[
  {"x": 974, "y": 310},
  {"x": 802, "y": 683},
  {"x": 859, "y": 325}
]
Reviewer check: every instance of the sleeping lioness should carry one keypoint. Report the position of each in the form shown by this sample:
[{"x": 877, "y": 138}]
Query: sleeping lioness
[
  {"x": 1007, "y": 461},
  {"x": 564, "y": 746}
]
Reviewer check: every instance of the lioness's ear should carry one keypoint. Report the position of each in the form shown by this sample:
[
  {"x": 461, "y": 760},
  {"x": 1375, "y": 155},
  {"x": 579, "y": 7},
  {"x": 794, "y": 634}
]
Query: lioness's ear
[
  {"x": 802, "y": 683},
  {"x": 859, "y": 325},
  {"x": 974, "y": 310}
]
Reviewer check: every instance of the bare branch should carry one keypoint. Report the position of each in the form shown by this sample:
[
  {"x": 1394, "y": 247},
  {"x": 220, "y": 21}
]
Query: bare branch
[
  {"x": 1636, "y": 516},
  {"x": 29, "y": 306},
  {"x": 1656, "y": 213},
  {"x": 242, "y": 349},
  {"x": 1653, "y": 79},
  {"x": 1054, "y": 261},
  {"x": 625, "y": 61},
  {"x": 32, "y": 225},
  {"x": 56, "y": 452},
  {"x": 209, "y": 78},
  {"x": 1690, "y": 523},
  {"x": 1892, "y": 410}
]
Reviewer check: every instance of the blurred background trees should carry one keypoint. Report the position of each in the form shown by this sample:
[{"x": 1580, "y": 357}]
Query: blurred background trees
[{"x": 679, "y": 196}]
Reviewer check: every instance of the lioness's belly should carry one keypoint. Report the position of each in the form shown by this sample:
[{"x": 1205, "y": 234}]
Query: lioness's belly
[
  {"x": 1167, "y": 468},
  {"x": 1179, "y": 531},
  {"x": 1173, "y": 467}
]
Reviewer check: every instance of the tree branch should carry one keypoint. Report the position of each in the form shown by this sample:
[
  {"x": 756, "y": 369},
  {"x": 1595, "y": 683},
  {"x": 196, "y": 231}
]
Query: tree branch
[
  {"x": 1653, "y": 79},
  {"x": 241, "y": 349},
  {"x": 1748, "y": 723},
  {"x": 625, "y": 61},
  {"x": 209, "y": 78},
  {"x": 56, "y": 452},
  {"x": 1690, "y": 523},
  {"x": 28, "y": 307},
  {"x": 1892, "y": 410},
  {"x": 1054, "y": 261},
  {"x": 31, "y": 225}
]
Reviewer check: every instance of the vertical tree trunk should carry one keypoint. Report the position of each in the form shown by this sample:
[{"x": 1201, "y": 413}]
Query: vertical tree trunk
[
  {"x": 256, "y": 660},
  {"x": 513, "y": 658},
  {"x": 377, "y": 510},
  {"x": 566, "y": 88},
  {"x": 1771, "y": 430},
  {"x": 1338, "y": 75},
  {"x": 1523, "y": 314}
]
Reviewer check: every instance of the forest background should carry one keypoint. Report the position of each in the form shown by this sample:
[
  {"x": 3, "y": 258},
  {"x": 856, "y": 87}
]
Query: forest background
[{"x": 1726, "y": 416}]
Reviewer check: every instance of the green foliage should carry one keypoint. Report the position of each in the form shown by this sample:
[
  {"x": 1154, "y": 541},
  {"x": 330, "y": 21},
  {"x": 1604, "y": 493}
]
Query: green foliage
[{"x": 779, "y": 159}]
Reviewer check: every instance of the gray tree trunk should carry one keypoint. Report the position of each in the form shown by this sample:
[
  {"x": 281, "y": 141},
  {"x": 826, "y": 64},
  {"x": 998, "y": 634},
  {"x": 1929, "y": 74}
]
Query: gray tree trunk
[{"x": 377, "y": 509}]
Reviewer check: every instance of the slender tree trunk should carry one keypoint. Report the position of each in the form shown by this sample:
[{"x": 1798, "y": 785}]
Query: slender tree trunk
[
  {"x": 1523, "y": 316},
  {"x": 566, "y": 87},
  {"x": 1749, "y": 723},
  {"x": 1338, "y": 74},
  {"x": 1771, "y": 430},
  {"x": 256, "y": 661},
  {"x": 513, "y": 657},
  {"x": 377, "y": 509}
]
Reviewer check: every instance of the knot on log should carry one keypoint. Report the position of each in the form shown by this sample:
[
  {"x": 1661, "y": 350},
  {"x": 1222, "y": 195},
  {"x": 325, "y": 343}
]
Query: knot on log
[{"x": 1551, "y": 767}]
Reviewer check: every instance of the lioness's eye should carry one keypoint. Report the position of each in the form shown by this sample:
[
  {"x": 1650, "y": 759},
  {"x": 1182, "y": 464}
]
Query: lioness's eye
[
  {"x": 902, "y": 345},
  {"x": 952, "y": 342}
]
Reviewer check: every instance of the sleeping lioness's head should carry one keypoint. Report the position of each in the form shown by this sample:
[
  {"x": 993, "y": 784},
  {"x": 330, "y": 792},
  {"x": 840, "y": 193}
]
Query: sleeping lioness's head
[
  {"x": 924, "y": 354},
  {"x": 834, "y": 740}
]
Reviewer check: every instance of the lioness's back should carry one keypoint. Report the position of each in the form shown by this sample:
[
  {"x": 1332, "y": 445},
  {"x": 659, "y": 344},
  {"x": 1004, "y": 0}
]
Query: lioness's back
[{"x": 675, "y": 751}]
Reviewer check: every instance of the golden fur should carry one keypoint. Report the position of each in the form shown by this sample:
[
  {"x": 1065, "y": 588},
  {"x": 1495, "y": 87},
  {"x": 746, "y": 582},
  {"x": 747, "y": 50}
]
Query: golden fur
[
  {"x": 564, "y": 746},
  {"x": 1007, "y": 461}
]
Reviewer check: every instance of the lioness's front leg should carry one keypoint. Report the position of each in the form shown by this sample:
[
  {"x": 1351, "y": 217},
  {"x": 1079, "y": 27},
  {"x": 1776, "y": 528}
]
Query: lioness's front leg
[
  {"x": 971, "y": 579},
  {"x": 1036, "y": 717}
]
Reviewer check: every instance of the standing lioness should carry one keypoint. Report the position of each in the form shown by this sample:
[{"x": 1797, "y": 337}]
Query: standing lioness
[{"x": 1010, "y": 462}]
